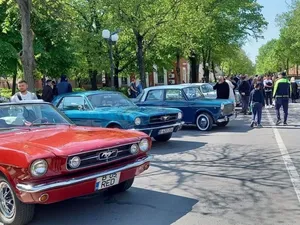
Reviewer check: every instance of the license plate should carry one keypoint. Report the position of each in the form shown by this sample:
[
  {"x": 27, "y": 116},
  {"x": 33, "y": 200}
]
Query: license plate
[
  {"x": 107, "y": 181},
  {"x": 166, "y": 131}
]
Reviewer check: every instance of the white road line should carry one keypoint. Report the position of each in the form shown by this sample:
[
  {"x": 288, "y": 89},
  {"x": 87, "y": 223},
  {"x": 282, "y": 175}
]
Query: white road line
[{"x": 294, "y": 176}]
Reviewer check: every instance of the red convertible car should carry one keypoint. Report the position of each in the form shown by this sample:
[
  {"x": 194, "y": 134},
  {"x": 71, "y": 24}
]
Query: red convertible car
[{"x": 44, "y": 158}]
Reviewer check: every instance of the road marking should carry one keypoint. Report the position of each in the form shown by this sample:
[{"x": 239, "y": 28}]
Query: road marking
[{"x": 294, "y": 176}]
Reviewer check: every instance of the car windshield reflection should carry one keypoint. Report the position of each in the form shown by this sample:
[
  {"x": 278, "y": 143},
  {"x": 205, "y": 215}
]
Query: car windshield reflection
[
  {"x": 193, "y": 93},
  {"x": 26, "y": 115},
  {"x": 110, "y": 100}
]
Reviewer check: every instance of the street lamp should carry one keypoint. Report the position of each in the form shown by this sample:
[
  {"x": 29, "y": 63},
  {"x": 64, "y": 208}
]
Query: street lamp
[{"x": 112, "y": 38}]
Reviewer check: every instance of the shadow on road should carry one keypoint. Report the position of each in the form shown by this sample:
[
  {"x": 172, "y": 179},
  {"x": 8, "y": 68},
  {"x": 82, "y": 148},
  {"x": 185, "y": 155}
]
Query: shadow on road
[
  {"x": 136, "y": 206},
  {"x": 175, "y": 146}
]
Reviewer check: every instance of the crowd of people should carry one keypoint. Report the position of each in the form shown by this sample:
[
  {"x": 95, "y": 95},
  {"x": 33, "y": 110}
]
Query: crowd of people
[{"x": 258, "y": 92}]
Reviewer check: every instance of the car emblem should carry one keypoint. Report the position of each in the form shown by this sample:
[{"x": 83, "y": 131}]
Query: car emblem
[
  {"x": 165, "y": 118},
  {"x": 108, "y": 154}
]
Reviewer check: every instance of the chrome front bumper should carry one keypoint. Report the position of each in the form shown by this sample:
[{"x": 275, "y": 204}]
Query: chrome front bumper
[
  {"x": 227, "y": 118},
  {"x": 58, "y": 184},
  {"x": 180, "y": 124}
]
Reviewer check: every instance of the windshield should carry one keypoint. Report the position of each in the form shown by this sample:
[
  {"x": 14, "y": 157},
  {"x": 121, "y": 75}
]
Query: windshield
[
  {"x": 110, "y": 100},
  {"x": 206, "y": 88},
  {"x": 193, "y": 92},
  {"x": 25, "y": 115}
]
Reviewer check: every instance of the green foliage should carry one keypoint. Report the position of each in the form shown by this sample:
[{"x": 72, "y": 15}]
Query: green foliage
[{"x": 5, "y": 92}]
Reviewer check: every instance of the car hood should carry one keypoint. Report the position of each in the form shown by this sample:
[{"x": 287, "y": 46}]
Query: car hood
[
  {"x": 140, "y": 111},
  {"x": 65, "y": 140}
]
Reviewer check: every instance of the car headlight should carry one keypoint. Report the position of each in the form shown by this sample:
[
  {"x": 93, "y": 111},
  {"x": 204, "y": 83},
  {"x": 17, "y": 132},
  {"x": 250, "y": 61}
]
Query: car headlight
[
  {"x": 75, "y": 162},
  {"x": 144, "y": 145},
  {"x": 39, "y": 167},
  {"x": 134, "y": 149},
  {"x": 222, "y": 107},
  {"x": 137, "y": 121},
  {"x": 179, "y": 116}
]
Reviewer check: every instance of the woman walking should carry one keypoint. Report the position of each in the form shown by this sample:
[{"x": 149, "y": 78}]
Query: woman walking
[{"x": 294, "y": 87}]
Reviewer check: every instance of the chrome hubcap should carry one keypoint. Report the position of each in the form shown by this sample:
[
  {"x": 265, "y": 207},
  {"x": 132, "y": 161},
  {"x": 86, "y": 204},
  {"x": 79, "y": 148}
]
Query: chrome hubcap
[
  {"x": 203, "y": 122},
  {"x": 7, "y": 200}
]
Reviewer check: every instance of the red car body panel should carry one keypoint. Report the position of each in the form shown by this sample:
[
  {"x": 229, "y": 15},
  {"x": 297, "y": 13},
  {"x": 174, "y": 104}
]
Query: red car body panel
[{"x": 18, "y": 149}]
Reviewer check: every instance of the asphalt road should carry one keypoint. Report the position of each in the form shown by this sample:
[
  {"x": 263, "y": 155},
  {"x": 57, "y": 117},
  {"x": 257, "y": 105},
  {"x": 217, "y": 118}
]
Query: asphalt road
[{"x": 232, "y": 175}]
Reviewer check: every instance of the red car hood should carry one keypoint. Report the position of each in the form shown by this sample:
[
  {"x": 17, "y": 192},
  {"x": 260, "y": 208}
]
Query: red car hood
[{"x": 65, "y": 140}]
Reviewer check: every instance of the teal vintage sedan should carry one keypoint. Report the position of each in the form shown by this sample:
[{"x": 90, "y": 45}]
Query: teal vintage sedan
[{"x": 114, "y": 110}]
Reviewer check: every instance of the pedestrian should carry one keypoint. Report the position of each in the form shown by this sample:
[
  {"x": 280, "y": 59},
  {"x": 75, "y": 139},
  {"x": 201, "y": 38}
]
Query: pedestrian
[
  {"x": 268, "y": 86},
  {"x": 133, "y": 89},
  {"x": 64, "y": 86},
  {"x": 257, "y": 102},
  {"x": 282, "y": 93},
  {"x": 222, "y": 88},
  {"x": 231, "y": 90},
  {"x": 139, "y": 87},
  {"x": 54, "y": 88},
  {"x": 23, "y": 93},
  {"x": 244, "y": 89},
  {"x": 47, "y": 94},
  {"x": 294, "y": 87}
]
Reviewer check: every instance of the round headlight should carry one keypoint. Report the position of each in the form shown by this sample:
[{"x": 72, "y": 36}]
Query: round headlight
[
  {"x": 179, "y": 116},
  {"x": 137, "y": 121},
  {"x": 134, "y": 149},
  {"x": 74, "y": 162},
  {"x": 39, "y": 167},
  {"x": 144, "y": 145}
]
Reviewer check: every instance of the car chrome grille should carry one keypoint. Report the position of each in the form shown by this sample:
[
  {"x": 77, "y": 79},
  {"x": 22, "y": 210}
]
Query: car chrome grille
[
  {"x": 163, "y": 118},
  {"x": 228, "y": 109},
  {"x": 102, "y": 156}
]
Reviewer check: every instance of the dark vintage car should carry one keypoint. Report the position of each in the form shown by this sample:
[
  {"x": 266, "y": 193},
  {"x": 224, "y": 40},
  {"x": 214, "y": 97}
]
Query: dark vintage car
[
  {"x": 195, "y": 107},
  {"x": 114, "y": 110},
  {"x": 45, "y": 158}
]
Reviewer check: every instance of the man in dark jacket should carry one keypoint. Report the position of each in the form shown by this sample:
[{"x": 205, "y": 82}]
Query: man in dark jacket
[
  {"x": 282, "y": 94},
  {"x": 47, "y": 94},
  {"x": 244, "y": 89},
  {"x": 64, "y": 86},
  {"x": 54, "y": 88},
  {"x": 222, "y": 88}
]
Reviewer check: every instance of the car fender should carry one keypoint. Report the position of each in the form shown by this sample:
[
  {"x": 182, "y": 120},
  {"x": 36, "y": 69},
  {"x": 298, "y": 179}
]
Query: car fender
[
  {"x": 203, "y": 110},
  {"x": 5, "y": 173},
  {"x": 114, "y": 122}
]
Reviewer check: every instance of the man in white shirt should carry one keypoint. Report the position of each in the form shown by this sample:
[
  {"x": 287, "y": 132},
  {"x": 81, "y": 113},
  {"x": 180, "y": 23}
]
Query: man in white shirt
[
  {"x": 23, "y": 94},
  {"x": 268, "y": 85}
]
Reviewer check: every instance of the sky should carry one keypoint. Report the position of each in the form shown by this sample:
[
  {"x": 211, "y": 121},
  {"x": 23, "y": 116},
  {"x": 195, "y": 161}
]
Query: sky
[{"x": 271, "y": 9}]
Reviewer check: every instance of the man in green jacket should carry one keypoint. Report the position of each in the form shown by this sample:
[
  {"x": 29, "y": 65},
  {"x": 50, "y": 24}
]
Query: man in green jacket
[{"x": 282, "y": 94}]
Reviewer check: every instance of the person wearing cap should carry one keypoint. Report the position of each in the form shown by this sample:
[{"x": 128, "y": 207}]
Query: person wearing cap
[
  {"x": 282, "y": 94},
  {"x": 47, "y": 94},
  {"x": 64, "y": 86}
]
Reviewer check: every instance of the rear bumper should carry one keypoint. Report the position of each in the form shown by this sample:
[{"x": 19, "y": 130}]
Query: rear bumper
[
  {"x": 60, "y": 190},
  {"x": 154, "y": 131}
]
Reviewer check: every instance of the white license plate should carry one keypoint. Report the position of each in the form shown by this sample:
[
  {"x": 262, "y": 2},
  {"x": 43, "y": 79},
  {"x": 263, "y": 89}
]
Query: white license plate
[
  {"x": 107, "y": 181},
  {"x": 166, "y": 131}
]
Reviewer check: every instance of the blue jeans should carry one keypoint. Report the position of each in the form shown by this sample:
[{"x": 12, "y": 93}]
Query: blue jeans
[
  {"x": 256, "y": 111},
  {"x": 284, "y": 102}
]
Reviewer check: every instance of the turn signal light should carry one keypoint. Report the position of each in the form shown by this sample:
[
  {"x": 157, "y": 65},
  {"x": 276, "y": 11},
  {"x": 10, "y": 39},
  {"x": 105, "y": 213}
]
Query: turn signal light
[{"x": 44, "y": 198}]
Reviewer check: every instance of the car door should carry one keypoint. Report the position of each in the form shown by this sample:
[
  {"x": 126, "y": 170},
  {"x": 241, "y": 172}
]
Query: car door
[
  {"x": 77, "y": 109},
  {"x": 154, "y": 97},
  {"x": 174, "y": 98}
]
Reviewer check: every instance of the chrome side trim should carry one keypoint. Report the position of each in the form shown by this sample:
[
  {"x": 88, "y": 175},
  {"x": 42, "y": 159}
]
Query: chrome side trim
[
  {"x": 58, "y": 184},
  {"x": 161, "y": 127}
]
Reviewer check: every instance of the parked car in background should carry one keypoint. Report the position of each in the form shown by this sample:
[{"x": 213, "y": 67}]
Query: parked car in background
[
  {"x": 114, "y": 110},
  {"x": 238, "y": 98},
  {"x": 188, "y": 98},
  {"x": 45, "y": 158}
]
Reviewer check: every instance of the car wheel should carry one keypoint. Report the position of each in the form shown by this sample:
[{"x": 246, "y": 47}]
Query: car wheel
[
  {"x": 114, "y": 126},
  {"x": 163, "y": 137},
  {"x": 122, "y": 187},
  {"x": 12, "y": 210},
  {"x": 204, "y": 122},
  {"x": 223, "y": 124}
]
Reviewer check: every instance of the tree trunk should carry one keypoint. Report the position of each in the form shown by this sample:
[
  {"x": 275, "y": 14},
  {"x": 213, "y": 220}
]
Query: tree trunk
[
  {"x": 213, "y": 69},
  {"x": 297, "y": 70},
  {"x": 14, "y": 84},
  {"x": 140, "y": 58},
  {"x": 194, "y": 69},
  {"x": 8, "y": 84},
  {"x": 287, "y": 66},
  {"x": 178, "y": 67},
  {"x": 93, "y": 79},
  {"x": 27, "y": 54}
]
